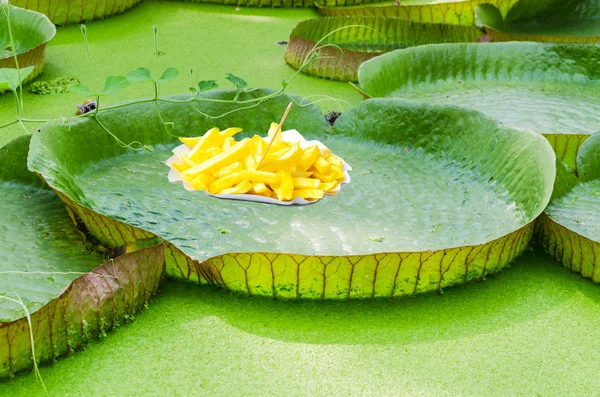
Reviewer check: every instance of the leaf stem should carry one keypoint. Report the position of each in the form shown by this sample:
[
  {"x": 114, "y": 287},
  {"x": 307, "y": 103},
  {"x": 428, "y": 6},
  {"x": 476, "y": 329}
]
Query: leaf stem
[
  {"x": 19, "y": 301},
  {"x": 83, "y": 29},
  {"x": 116, "y": 138},
  {"x": 14, "y": 52}
]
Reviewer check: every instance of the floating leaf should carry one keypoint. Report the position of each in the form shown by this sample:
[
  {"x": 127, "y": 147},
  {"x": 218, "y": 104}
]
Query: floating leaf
[
  {"x": 45, "y": 261},
  {"x": 552, "y": 89},
  {"x": 456, "y": 12},
  {"x": 557, "y": 21},
  {"x": 63, "y": 12},
  {"x": 438, "y": 163},
  {"x": 31, "y": 32},
  {"x": 571, "y": 223},
  {"x": 346, "y": 42}
]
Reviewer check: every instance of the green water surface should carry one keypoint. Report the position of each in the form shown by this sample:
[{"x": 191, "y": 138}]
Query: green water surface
[
  {"x": 526, "y": 331},
  {"x": 530, "y": 330}
]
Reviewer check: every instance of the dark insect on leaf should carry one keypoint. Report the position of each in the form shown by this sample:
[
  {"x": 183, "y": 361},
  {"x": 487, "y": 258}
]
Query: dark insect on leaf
[
  {"x": 88, "y": 106},
  {"x": 282, "y": 42},
  {"x": 332, "y": 116}
]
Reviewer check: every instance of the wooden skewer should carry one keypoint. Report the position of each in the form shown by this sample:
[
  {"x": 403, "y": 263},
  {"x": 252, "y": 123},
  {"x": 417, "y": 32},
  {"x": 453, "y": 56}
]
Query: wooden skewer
[{"x": 287, "y": 110}]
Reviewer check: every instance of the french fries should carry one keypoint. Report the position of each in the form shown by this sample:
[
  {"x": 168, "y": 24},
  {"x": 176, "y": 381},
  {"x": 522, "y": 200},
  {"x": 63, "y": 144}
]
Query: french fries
[{"x": 218, "y": 164}]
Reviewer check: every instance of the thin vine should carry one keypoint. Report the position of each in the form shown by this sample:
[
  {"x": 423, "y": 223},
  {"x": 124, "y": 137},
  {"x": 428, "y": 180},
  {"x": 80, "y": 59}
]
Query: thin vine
[{"x": 115, "y": 84}]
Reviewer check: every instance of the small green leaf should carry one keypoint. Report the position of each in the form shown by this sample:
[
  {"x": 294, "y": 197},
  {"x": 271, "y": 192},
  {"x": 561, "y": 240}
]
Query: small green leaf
[
  {"x": 139, "y": 75},
  {"x": 206, "y": 85},
  {"x": 114, "y": 85},
  {"x": 238, "y": 82},
  {"x": 9, "y": 77},
  {"x": 168, "y": 74},
  {"x": 83, "y": 90},
  {"x": 192, "y": 89}
]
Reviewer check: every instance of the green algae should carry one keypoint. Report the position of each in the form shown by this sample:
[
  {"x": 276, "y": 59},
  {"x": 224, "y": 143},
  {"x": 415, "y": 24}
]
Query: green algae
[
  {"x": 191, "y": 36},
  {"x": 59, "y": 85},
  {"x": 527, "y": 331},
  {"x": 522, "y": 332}
]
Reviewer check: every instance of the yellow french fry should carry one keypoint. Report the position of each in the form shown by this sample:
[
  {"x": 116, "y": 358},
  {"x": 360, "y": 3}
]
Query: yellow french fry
[
  {"x": 220, "y": 165},
  {"x": 186, "y": 160},
  {"x": 229, "y": 132},
  {"x": 328, "y": 177},
  {"x": 274, "y": 155},
  {"x": 306, "y": 183},
  {"x": 249, "y": 162},
  {"x": 241, "y": 188},
  {"x": 335, "y": 161},
  {"x": 180, "y": 167},
  {"x": 260, "y": 146},
  {"x": 322, "y": 165},
  {"x": 261, "y": 188},
  {"x": 311, "y": 154},
  {"x": 220, "y": 139},
  {"x": 213, "y": 151},
  {"x": 205, "y": 142},
  {"x": 286, "y": 186},
  {"x": 190, "y": 142},
  {"x": 227, "y": 143},
  {"x": 237, "y": 177},
  {"x": 202, "y": 181},
  {"x": 328, "y": 186},
  {"x": 235, "y": 153},
  {"x": 308, "y": 194},
  {"x": 231, "y": 168},
  {"x": 339, "y": 174},
  {"x": 297, "y": 173},
  {"x": 290, "y": 158}
]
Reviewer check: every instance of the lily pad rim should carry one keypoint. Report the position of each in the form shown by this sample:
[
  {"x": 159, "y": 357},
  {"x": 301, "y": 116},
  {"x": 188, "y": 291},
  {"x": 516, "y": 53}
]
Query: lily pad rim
[
  {"x": 47, "y": 37},
  {"x": 59, "y": 122}
]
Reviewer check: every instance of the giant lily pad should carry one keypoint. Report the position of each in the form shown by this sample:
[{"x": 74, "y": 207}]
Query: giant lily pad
[
  {"x": 45, "y": 263},
  {"x": 548, "y": 88},
  {"x": 31, "y": 32},
  {"x": 62, "y": 12},
  {"x": 261, "y": 3},
  {"x": 571, "y": 223},
  {"x": 568, "y": 21},
  {"x": 345, "y": 42},
  {"x": 461, "y": 12},
  {"x": 438, "y": 196}
]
